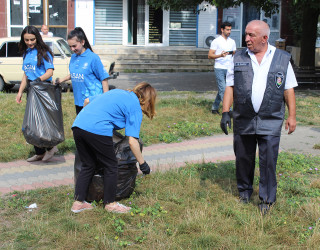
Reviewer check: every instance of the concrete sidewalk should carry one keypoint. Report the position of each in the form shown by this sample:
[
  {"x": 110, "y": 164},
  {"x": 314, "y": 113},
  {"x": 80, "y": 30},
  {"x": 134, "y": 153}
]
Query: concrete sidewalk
[{"x": 22, "y": 175}]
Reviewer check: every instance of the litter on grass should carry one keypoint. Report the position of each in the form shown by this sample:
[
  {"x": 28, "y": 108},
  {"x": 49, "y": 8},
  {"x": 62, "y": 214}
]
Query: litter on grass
[{"x": 32, "y": 206}]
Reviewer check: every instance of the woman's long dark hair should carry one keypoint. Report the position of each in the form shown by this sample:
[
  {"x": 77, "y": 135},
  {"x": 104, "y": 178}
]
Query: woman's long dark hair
[
  {"x": 81, "y": 36},
  {"x": 41, "y": 47}
]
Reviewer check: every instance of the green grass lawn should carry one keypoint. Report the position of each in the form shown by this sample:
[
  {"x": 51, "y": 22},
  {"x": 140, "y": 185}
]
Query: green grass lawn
[
  {"x": 180, "y": 115},
  {"x": 194, "y": 207}
]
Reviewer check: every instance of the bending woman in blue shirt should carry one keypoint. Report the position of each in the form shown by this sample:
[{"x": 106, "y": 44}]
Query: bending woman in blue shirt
[
  {"x": 93, "y": 130},
  {"x": 87, "y": 73},
  {"x": 37, "y": 67}
]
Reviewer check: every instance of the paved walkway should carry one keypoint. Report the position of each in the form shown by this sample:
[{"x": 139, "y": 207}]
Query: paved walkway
[{"x": 21, "y": 175}]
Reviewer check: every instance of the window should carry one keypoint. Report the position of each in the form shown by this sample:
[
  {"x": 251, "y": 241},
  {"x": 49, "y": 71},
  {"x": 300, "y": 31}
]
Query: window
[
  {"x": 54, "y": 49},
  {"x": 10, "y": 49},
  {"x": 3, "y": 50},
  {"x": 49, "y": 45},
  {"x": 13, "y": 49},
  {"x": 65, "y": 48}
]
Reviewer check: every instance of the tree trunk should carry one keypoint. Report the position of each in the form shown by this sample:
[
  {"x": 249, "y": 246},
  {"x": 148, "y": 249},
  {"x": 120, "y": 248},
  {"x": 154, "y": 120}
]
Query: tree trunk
[{"x": 309, "y": 36}]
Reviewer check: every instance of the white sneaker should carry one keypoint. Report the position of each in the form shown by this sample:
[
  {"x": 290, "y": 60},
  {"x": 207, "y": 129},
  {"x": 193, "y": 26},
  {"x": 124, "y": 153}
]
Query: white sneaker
[
  {"x": 49, "y": 154},
  {"x": 116, "y": 207},
  {"x": 79, "y": 206},
  {"x": 35, "y": 158}
]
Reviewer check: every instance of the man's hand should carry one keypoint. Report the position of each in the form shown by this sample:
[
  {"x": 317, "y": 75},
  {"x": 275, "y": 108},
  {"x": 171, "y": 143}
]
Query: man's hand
[
  {"x": 145, "y": 169},
  {"x": 291, "y": 123},
  {"x": 224, "y": 53},
  {"x": 290, "y": 99},
  {"x": 225, "y": 122}
]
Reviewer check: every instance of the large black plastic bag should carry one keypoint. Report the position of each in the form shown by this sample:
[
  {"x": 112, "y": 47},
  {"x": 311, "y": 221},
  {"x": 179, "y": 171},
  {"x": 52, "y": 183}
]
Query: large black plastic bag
[
  {"x": 127, "y": 171},
  {"x": 43, "y": 121}
]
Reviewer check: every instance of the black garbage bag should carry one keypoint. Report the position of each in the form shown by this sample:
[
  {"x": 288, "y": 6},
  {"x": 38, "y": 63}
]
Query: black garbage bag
[
  {"x": 127, "y": 171},
  {"x": 43, "y": 121}
]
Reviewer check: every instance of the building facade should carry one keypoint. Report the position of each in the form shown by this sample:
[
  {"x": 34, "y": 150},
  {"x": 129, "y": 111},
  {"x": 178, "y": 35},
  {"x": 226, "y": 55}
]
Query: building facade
[
  {"x": 57, "y": 14},
  {"x": 131, "y": 22}
]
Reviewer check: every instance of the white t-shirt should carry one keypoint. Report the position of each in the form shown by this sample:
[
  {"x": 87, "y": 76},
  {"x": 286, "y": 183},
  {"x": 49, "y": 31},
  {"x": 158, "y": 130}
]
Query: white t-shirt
[
  {"x": 220, "y": 44},
  {"x": 260, "y": 74},
  {"x": 50, "y": 34}
]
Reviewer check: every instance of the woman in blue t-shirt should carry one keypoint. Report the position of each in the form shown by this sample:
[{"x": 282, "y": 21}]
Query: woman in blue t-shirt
[
  {"x": 87, "y": 73},
  {"x": 37, "y": 67},
  {"x": 93, "y": 130}
]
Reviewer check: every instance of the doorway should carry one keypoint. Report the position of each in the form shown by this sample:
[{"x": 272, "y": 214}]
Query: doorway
[
  {"x": 137, "y": 16},
  {"x": 136, "y": 22},
  {"x": 155, "y": 25}
]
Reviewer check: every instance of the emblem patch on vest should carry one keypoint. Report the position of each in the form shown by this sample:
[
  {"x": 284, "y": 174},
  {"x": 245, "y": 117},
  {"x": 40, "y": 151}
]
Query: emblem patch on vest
[
  {"x": 279, "y": 78},
  {"x": 241, "y": 64}
]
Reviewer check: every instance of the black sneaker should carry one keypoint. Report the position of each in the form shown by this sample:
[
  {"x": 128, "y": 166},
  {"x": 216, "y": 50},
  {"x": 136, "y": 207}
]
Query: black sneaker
[
  {"x": 264, "y": 208},
  {"x": 215, "y": 112},
  {"x": 231, "y": 113}
]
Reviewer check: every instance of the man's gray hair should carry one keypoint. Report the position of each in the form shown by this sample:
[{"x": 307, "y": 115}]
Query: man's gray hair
[{"x": 264, "y": 27}]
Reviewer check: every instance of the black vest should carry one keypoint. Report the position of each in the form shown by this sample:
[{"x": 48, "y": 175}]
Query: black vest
[{"x": 269, "y": 119}]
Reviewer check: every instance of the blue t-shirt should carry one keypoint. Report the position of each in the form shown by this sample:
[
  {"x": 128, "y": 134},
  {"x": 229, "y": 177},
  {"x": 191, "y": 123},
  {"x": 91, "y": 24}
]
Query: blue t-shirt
[
  {"x": 115, "y": 109},
  {"x": 30, "y": 67},
  {"x": 87, "y": 72}
]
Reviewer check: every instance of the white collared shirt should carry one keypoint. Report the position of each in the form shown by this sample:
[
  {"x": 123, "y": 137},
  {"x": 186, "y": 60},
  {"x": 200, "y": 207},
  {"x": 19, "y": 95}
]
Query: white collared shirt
[{"x": 260, "y": 75}]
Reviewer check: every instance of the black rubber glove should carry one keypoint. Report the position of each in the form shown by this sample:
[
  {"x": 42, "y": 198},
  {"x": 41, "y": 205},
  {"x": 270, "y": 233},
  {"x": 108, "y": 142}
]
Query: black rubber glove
[
  {"x": 145, "y": 169},
  {"x": 37, "y": 80},
  {"x": 225, "y": 121}
]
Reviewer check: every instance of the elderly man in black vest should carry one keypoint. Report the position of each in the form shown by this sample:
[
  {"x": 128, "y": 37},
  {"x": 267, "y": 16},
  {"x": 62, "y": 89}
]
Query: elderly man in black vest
[{"x": 260, "y": 82}]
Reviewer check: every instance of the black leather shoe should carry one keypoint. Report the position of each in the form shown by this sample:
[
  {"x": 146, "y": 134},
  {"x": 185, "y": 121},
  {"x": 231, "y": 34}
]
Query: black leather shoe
[
  {"x": 215, "y": 112},
  {"x": 244, "y": 200},
  {"x": 264, "y": 208}
]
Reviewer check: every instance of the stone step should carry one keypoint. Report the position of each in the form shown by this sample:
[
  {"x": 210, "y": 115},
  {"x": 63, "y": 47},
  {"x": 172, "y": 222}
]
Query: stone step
[
  {"x": 153, "y": 57},
  {"x": 147, "y": 50},
  {"x": 162, "y": 67},
  {"x": 154, "y": 70},
  {"x": 165, "y": 62},
  {"x": 127, "y": 68},
  {"x": 156, "y": 59}
]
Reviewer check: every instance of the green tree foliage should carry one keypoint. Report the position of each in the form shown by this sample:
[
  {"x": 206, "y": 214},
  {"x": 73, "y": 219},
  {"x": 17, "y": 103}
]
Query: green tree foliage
[
  {"x": 310, "y": 13},
  {"x": 310, "y": 10},
  {"x": 269, "y": 6}
]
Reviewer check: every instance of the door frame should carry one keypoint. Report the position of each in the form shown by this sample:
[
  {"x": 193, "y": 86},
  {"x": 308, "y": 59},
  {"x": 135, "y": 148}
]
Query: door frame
[
  {"x": 165, "y": 26},
  {"x": 24, "y": 18}
]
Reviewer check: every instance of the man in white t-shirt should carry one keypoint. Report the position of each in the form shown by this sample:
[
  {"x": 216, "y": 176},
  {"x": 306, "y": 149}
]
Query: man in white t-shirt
[
  {"x": 45, "y": 31},
  {"x": 221, "y": 50}
]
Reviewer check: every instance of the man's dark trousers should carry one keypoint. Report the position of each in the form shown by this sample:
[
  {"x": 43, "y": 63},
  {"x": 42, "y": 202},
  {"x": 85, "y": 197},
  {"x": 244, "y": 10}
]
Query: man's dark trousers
[{"x": 245, "y": 151}]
